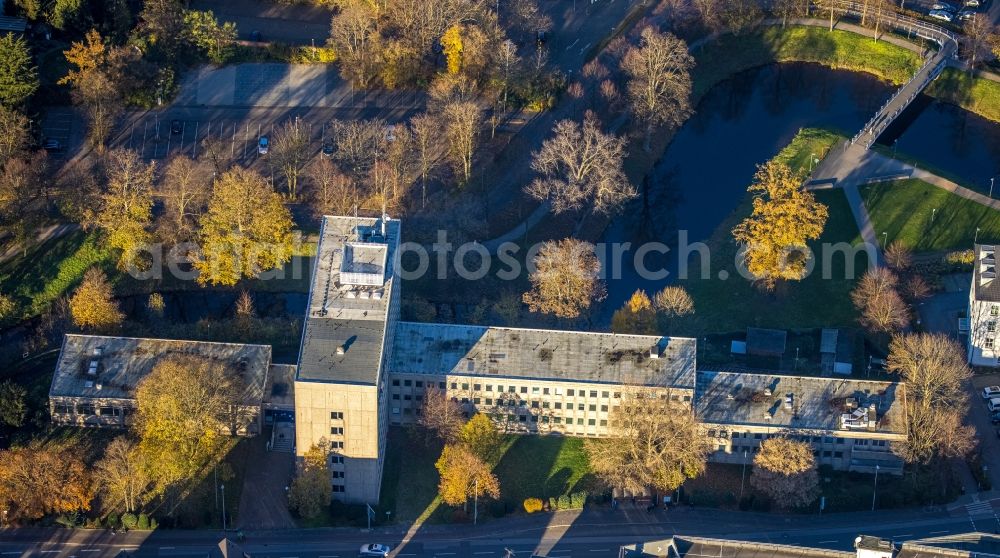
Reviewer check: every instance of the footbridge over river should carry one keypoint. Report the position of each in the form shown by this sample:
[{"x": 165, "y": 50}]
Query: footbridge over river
[{"x": 934, "y": 63}]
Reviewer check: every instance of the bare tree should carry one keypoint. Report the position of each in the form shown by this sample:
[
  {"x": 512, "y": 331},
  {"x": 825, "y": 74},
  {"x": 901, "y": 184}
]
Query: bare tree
[
  {"x": 877, "y": 297},
  {"x": 653, "y": 443},
  {"x": 934, "y": 369},
  {"x": 184, "y": 190},
  {"x": 659, "y": 85},
  {"x": 979, "y": 35},
  {"x": 354, "y": 36},
  {"x": 785, "y": 470},
  {"x": 425, "y": 129},
  {"x": 785, "y": 9},
  {"x": 566, "y": 279},
  {"x": 122, "y": 473},
  {"x": 580, "y": 165},
  {"x": 357, "y": 143},
  {"x": 441, "y": 415},
  {"x": 289, "y": 152},
  {"x": 898, "y": 256},
  {"x": 673, "y": 301},
  {"x": 331, "y": 191},
  {"x": 882, "y": 12},
  {"x": 508, "y": 60},
  {"x": 462, "y": 122}
]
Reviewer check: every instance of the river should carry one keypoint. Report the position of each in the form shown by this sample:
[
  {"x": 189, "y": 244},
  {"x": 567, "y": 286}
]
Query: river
[{"x": 742, "y": 122}]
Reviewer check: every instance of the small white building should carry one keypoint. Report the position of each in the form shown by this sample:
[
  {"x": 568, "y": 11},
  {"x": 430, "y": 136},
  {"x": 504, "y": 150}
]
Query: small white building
[{"x": 984, "y": 308}]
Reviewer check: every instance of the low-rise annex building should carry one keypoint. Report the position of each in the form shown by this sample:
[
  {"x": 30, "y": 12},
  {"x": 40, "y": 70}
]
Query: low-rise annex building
[
  {"x": 96, "y": 376},
  {"x": 360, "y": 369}
]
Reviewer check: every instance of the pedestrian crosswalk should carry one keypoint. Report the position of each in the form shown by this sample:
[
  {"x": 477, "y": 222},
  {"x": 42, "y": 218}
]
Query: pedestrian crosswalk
[{"x": 979, "y": 508}]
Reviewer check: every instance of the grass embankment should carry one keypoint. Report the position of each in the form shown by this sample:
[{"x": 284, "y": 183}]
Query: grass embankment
[
  {"x": 729, "y": 54},
  {"x": 530, "y": 466},
  {"x": 720, "y": 59},
  {"x": 905, "y": 209},
  {"x": 978, "y": 95},
  {"x": 725, "y": 301}
]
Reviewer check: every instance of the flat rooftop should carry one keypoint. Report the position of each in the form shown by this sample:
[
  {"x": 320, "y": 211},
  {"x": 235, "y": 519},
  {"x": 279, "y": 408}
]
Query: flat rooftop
[
  {"x": 122, "y": 362},
  {"x": 984, "y": 273},
  {"x": 348, "y": 300},
  {"x": 424, "y": 348},
  {"x": 816, "y": 403},
  {"x": 697, "y": 547}
]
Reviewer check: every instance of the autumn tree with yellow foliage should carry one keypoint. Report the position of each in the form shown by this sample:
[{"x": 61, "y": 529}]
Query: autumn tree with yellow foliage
[
  {"x": 36, "y": 481},
  {"x": 93, "y": 305},
  {"x": 784, "y": 218},
  {"x": 451, "y": 43},
  {"x": 785, "y": 470},
  {"x": 95, "y": 85},
  {"x": 182, "y": 412},
  {"x": 480, "y": 435},
  {"x": 124, "y": 209},
  {"x": 245, "y": 231},
  {"x": 310, "y": 491},
  {"x": 464, "y": 475},
  {"x": 636, "y": 316}
]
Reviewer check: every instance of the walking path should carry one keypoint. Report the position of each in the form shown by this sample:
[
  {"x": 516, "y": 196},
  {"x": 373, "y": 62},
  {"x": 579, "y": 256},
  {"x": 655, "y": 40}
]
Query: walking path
[{"x": 42, "y": 235}]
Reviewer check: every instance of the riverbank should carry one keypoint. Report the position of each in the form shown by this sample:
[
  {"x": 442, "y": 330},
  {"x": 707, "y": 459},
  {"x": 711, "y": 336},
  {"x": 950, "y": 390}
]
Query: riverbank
[{"x": 727, "y": 55}]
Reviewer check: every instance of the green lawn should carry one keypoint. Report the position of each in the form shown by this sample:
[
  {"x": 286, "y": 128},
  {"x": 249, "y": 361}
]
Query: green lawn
[
  {"x": 51, "y": 270},
  {"x": 734, "y": 303},
  {"x": 530, "y": 466},
  {"x": 904, "y": 209}
]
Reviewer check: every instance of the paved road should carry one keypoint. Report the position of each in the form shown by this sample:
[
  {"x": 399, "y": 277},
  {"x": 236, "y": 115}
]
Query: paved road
[
  {"x": 283, "y": 22},
  {"x": 593, "y": 534}
]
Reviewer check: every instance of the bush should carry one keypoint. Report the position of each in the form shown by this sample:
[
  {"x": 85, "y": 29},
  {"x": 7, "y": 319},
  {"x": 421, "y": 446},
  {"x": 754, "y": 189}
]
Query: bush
[
  {"x": 112, "y": 520},
  {"x": 143, "y": 522},
  {"x": 129, "y": 520},
  {"x": 564, "y": 502},
  {"x": 578, "y": 499},
  {"x": 152, "y": 524},
  {"x": 553, "y": 503},
  {"x": 532, "y": 505}
]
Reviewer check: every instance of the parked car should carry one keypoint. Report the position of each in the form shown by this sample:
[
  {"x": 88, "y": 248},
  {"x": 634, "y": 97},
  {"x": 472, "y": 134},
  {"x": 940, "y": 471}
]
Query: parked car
[
  {"x": 379, "y": 550},
  {"x": 328, "y": 148},
  {"x": 942, "y": 15},
  {"x": 390, "y": 132},
  {"x": 966, "y": 15},
  {"x": 52, "y": 145},
  {"x": 993, "y": 404},
  {"x": 991, "y": 391},
  {"x": 262, "y": 145},
  {"x": 175, "y": 127},
  {"x": 972, "y": 3},
  {"x": 946, "y": 6},
  {"x": 255, "y": 36}
]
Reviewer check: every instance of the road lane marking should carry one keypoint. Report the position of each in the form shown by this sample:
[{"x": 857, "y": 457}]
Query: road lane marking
[
  {"x": 826, "y": 542},
  {"x": 484, "y": 552},
  {"x": 55, "y": 551},
  {"x": 903, "y": 535},
  {"x": 600, "y": 549},
  {"x": 90, "y": 550},
  {"x": 171, "y": 548},
  {"x": 939, "y": 532},
  {"x": 13, "y": 552}
]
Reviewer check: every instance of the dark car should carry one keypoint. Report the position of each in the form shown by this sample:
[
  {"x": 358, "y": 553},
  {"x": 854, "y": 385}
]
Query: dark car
[
  {"x": 255, "y": 36},
  {"x": 328, "y": 148},
  {"x": 262, "y": 145},
  {"x": 176, "y": 127},
  {"x": 52, "y": 145}
]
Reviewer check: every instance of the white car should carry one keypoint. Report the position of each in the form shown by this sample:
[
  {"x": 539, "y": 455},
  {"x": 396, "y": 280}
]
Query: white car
[
  {"x": 942, "y": 15},
  {"x": 374, "y": 550},
  {"x": 991, "y": 391}
]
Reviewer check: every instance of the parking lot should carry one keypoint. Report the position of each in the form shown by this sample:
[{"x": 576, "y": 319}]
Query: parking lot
[
  {"x": 925, "y": 6},
  {"x": 57, "y": 125}
]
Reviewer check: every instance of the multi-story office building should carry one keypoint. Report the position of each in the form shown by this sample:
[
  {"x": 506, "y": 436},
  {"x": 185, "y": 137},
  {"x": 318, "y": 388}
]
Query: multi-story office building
[{"x": 984, "y": 308}]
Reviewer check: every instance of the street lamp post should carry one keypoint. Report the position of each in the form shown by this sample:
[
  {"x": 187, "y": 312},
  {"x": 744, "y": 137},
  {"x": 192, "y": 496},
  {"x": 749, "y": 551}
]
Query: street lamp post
[
  {"x": 885, "y": 239},
  {"x": 991, "y": 187},
  {"x": 875, "y": 490},
  {"x": 475, "y": 503},
  {"x": 222, "y": 487},
  {"x": 976, "y": 239},
  {"x": 933, "y": 213},
  {"x": 744, "y": 475},
  {"x": 812, "y": 157}
]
